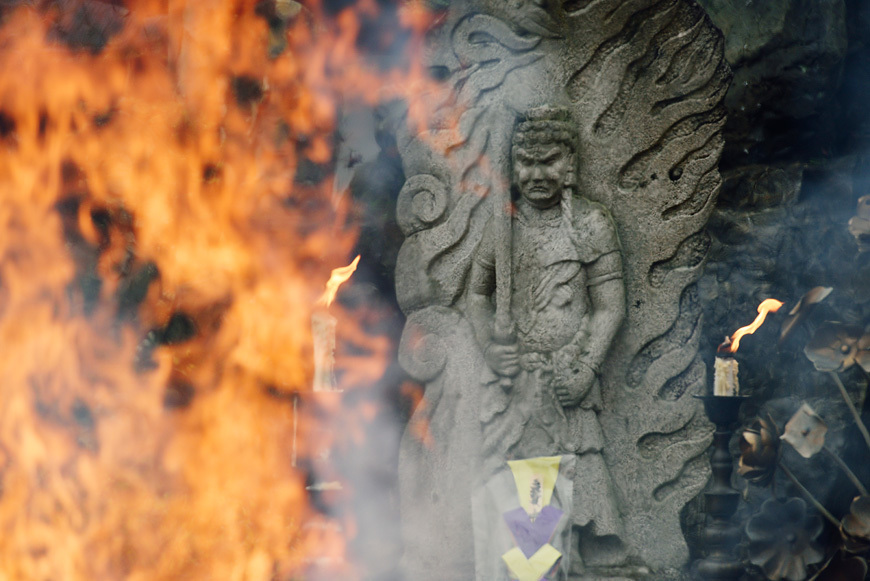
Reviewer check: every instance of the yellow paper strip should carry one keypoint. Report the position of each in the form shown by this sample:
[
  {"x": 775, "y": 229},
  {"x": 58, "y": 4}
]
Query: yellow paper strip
[
  {"x": 534, "y": 568},
  {"x": 525, "y": 471}
]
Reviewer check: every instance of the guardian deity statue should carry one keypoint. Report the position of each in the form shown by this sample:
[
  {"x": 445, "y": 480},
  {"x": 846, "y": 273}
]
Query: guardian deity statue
[{"x": 566, "y": 303}]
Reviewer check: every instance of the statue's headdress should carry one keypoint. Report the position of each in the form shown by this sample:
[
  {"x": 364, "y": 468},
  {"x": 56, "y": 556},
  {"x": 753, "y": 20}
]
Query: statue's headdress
[{"x": 543, "y": 125}]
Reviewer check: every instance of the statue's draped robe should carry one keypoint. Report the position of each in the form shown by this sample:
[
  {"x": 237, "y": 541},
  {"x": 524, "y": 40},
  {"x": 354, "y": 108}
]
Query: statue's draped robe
[{"x": 554, "y": 262}]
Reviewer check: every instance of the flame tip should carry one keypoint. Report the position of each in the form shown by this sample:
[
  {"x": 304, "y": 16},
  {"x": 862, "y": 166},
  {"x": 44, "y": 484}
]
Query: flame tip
[
  {"x": 766, "y": 306},
  {"x": 338, "y": 277}
]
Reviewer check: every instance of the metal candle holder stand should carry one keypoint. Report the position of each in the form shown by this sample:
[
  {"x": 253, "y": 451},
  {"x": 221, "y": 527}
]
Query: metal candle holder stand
[{"x": 720, "y": 536}]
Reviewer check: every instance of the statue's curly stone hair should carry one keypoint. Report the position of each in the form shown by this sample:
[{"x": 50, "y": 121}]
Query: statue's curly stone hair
[{"x": 545, "y": 125}]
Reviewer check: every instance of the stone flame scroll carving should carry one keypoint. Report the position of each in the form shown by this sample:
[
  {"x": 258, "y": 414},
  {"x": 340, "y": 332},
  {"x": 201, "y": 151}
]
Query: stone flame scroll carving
[{"x": 643, "y": 81}]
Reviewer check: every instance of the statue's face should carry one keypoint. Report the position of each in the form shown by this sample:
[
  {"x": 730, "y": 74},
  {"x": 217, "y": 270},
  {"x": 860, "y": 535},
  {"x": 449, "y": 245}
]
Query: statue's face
[{"x": 540, "y": 172}]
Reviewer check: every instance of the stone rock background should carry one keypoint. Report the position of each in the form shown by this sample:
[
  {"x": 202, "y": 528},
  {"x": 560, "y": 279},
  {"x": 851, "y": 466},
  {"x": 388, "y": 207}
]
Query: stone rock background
[
  {"x": 797, "y": 157},
  {"x": 796, "y": 160}
]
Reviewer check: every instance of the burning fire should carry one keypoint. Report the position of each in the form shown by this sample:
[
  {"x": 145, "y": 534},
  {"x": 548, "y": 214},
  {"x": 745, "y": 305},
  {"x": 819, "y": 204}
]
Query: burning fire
[
  {"x": 766, "y": 306},
  {"x": 167, "y": 203},
  {"x": 338, "y": 277}
]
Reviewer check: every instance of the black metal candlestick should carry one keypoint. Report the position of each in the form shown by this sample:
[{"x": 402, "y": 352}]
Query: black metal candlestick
[{"x": 720, "y": 535}]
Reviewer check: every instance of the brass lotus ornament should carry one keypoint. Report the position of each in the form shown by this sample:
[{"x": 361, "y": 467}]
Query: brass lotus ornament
[
  {"x": 805, "y": 431},
  {"x": 803, "y": 308},
  {"x": 759, "y": 451},
  {"x": 782, "y": 539},
  {"x": 843, "y": 567},
  {"x": 859, "y": 225},
  {"x": 855, "y": 526},
  {"x": 837, "y": 347},
  {"x": 862, "y": 357}
]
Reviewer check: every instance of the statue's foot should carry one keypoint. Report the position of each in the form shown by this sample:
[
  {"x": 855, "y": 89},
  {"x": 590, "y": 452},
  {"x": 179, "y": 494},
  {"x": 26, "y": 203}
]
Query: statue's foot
[
  {"x": 595, "y": 558},
  {"x": 602, "y": 552},
  {"x": 623, "y": 573}
]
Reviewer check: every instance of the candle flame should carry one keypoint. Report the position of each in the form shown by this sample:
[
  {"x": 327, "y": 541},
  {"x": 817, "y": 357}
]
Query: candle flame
[
  {"x": 338, "y": 277},
  {"x": 766, "y": 306}
]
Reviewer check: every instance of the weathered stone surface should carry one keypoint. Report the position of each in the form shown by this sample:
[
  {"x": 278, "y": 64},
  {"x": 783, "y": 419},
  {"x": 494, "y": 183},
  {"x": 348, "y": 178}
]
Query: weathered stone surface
[
  {"x": 787, "y": 58},
  {"x": 755, "y": 30},
  {"x": 643, "y": 81}
]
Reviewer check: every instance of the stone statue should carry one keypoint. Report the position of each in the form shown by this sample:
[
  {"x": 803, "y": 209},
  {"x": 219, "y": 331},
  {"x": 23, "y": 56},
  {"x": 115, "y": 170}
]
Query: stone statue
[
  {"x": 566, "y": 303},
  {"x": 567, "y": 332}
]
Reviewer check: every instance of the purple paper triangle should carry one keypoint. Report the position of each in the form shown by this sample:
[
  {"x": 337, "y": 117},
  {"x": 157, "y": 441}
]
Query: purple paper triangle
[{"x": 531, "y": 536}]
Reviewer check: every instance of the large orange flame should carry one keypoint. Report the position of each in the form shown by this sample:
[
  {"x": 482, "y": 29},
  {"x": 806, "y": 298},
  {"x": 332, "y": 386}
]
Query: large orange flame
[
  {"x": 766, "y": 306},
  {"x": 167, "y": 207}
]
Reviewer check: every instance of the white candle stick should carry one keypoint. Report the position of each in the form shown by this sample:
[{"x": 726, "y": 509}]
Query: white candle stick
[
  {"x": 323, "y": 331},
  {"x": 725, "y": 377}
]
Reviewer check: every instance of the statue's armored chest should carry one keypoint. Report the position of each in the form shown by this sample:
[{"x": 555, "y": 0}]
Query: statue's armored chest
[{"x": 549, "y": 299}]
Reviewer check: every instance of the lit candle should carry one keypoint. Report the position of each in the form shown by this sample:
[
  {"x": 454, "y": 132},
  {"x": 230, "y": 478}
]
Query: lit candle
[
  {"x": 323, "y": 330},
  {"x": 725, "y": 367},
  {"x": 725, "y": 374},
  {"x": 323, "y": 336}
]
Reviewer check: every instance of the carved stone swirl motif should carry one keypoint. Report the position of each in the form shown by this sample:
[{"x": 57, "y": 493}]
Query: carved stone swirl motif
[{"x": 644, "y": 80}]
